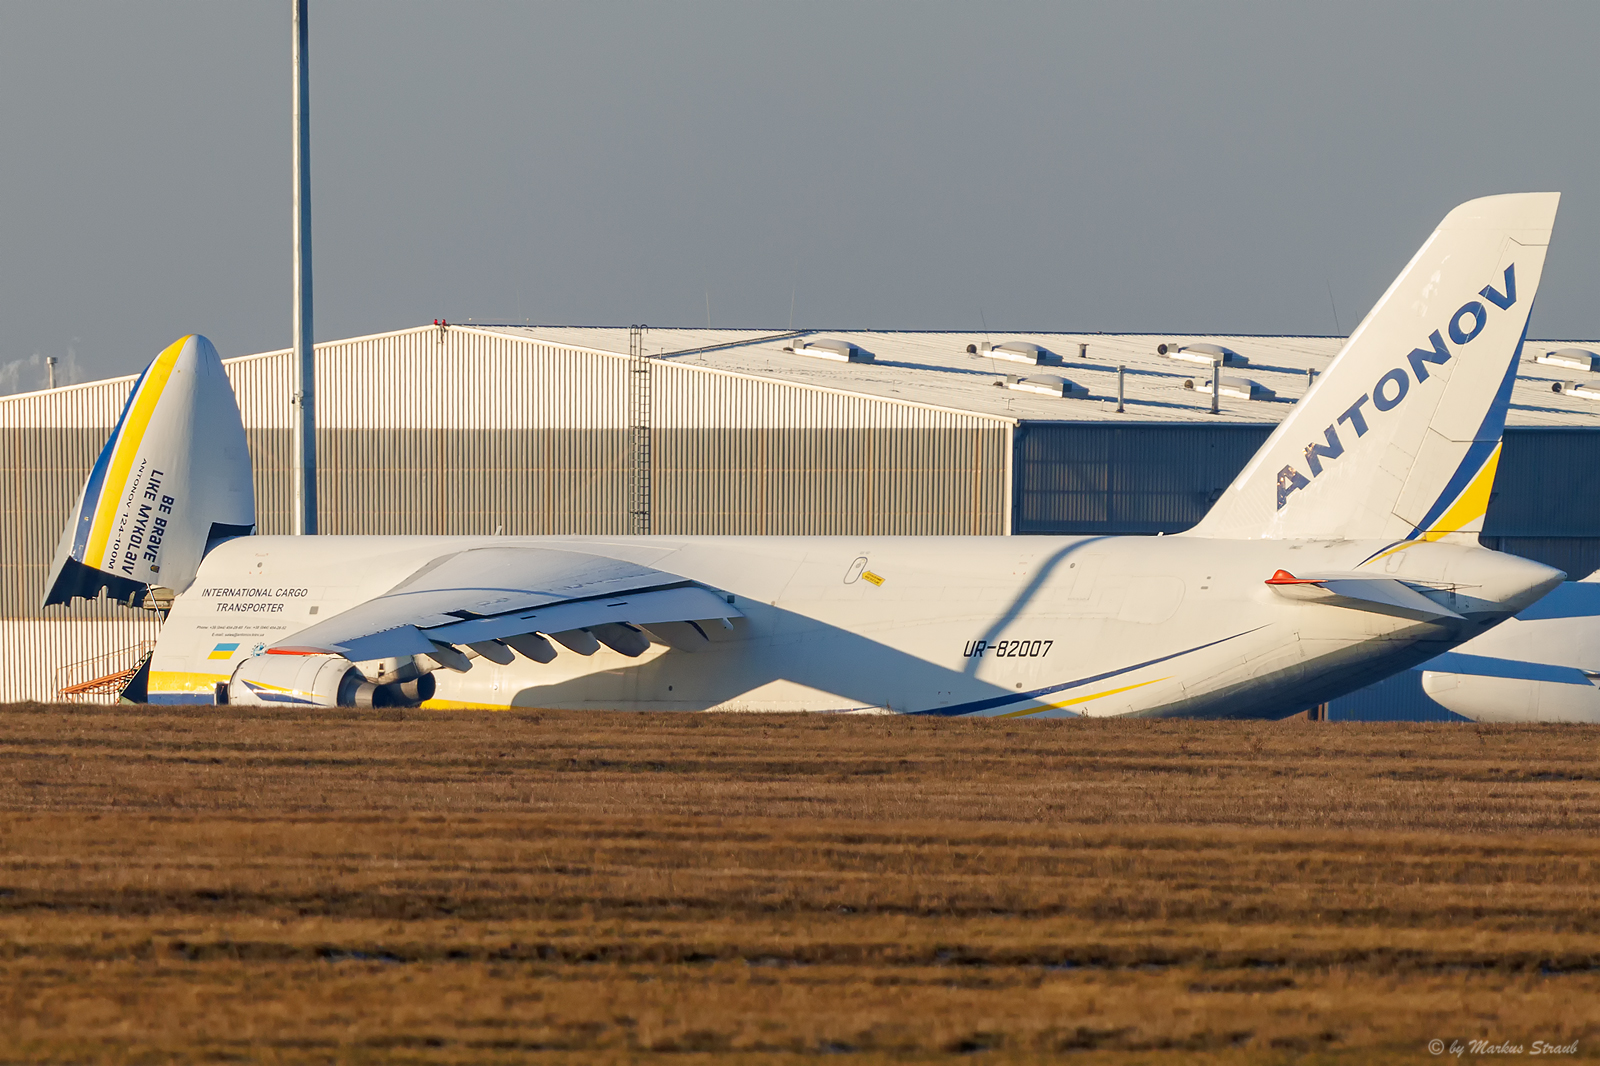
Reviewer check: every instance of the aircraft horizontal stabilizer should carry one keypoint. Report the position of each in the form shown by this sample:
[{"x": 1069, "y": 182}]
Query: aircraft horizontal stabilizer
[
  {"x": 1361, "y": 592},
  {"x": 504, "y": 595}
]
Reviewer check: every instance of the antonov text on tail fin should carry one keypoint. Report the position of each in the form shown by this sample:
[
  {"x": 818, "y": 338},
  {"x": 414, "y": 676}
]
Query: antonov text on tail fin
[{"x": 1343, "y": 553}]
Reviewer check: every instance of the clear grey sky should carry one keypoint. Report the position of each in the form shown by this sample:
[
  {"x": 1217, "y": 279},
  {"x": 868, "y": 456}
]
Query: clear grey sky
[{"x": 1179, "y": 167}]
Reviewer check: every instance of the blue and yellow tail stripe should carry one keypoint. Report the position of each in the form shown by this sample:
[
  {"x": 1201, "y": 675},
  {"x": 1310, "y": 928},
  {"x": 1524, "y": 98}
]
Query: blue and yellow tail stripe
[
  {"x": 1469, "y": 506},
  {"x": 1465, "y": 497},
  {"x": 97, "y": 476},
  {"x": 109, "y": 478},
  {"x": 1469, "y": 486}
]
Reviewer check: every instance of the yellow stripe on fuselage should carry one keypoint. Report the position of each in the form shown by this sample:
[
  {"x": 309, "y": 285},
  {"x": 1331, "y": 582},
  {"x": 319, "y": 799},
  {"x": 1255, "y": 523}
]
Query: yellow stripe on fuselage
[
  {"x": 1078, "y": 699},
  {"x": 168, "y": 681},
  {"x": 132, "y": 435},
  {"x": 462, "y": 705}
]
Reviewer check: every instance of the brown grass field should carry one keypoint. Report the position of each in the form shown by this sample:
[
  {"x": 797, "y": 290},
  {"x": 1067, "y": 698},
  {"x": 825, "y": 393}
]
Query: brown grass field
[{"x": 229, "y": 884}]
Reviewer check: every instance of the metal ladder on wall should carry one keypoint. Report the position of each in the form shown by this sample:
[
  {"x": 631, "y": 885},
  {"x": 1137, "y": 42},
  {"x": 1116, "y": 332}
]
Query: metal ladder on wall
[{"x": 639, "y": 431}]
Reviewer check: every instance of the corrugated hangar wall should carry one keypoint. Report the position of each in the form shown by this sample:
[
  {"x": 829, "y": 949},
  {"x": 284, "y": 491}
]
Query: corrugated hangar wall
[
  {"x": 469, "y": 431},
  {"x": 1121, "y": 479},
  {"x": 466, "y": 431},
  {"x": 1094, "y": 478}
]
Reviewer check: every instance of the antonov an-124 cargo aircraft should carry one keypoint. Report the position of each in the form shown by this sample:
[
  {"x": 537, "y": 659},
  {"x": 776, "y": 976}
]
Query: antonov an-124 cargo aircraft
[{"x": 1344, "y": 552}]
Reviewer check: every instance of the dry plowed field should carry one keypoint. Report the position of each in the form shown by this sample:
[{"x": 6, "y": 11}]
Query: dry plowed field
[{"x": 257, "y": 886}]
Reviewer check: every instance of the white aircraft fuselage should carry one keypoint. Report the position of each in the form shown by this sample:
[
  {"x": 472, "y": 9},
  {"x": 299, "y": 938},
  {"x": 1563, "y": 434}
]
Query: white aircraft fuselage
[{"x": 1001, "y": 626}]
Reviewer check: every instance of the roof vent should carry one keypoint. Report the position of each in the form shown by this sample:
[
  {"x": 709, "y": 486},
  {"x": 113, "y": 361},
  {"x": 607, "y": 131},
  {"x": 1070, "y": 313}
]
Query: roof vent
[
  {"x": 835, "y": 350},
  {"x": 1203, "y": 353},
  {"x": 1571, "y": 358},
  {"x": 1047, "y": 385},
  {"x": 1576, "y": 388},
  {"x": 1016, "y": 352},
  {"x": 1238, "y": 388}
]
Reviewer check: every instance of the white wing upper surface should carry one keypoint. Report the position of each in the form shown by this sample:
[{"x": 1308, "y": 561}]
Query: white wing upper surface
[{"x": 483, "y": 594}]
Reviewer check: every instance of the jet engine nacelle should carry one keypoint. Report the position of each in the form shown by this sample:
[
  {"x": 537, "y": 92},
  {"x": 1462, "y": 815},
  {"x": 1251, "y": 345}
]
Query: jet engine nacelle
[{"x": 319, "y": 681}]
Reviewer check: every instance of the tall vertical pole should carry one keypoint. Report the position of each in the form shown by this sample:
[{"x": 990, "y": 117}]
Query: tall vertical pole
[{"x": 305, "y": 370}]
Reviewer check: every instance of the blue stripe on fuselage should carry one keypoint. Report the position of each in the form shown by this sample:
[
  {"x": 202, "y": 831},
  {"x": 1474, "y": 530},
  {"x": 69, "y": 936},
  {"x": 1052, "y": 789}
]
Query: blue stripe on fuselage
[{"x": 1019, "y": 697}]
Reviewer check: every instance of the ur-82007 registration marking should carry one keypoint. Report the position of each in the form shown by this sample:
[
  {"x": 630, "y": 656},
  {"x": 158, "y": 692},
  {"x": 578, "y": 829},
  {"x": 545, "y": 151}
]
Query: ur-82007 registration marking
[{"x": 1007, "y": 649}]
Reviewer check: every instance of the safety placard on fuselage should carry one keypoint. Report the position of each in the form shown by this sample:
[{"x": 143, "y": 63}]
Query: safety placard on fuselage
[{"x": 251, "y": 614}]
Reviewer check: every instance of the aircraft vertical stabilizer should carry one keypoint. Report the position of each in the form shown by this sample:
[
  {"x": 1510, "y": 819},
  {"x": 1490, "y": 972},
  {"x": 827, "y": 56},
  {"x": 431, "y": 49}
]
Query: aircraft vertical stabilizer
[
  {"x": 1400, "y": 437},
  {"x": 173, "y": 479}
]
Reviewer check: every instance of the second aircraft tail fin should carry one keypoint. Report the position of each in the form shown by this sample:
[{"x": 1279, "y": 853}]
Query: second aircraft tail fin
[
  {"x": 173, "y": 479},
  {"x": 1400, "y": 437}
]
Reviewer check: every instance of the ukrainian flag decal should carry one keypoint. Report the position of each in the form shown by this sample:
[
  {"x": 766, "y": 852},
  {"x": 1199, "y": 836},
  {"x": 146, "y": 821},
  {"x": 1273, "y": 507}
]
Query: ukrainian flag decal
[{"x": 223, "y": 651}]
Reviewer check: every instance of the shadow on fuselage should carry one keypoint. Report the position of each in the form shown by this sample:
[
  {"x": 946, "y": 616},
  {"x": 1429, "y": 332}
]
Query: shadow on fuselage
[
  {"x": 1277, "y": 670},
  {"x": 1279, "y": 694},
  {"x": 771, "y": 644}
]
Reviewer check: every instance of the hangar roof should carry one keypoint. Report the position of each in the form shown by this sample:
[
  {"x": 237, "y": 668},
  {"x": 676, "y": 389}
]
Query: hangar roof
[{"x": 936, "y": 368}]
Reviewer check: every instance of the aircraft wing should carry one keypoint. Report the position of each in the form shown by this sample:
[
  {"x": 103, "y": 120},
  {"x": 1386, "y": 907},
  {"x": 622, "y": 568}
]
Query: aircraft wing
[{"x": 491, "y": 598}]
